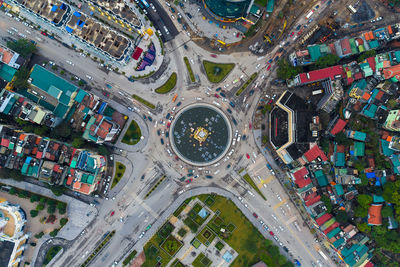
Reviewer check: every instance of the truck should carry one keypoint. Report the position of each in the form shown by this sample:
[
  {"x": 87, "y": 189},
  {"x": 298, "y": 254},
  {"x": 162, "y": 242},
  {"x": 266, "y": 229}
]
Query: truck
[
  {"x": 317, "y": 92},
  {"x": 145, "y": 3}
]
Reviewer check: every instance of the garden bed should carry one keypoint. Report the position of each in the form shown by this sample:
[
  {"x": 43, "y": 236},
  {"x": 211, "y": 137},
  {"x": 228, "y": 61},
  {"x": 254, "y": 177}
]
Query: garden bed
[
  {"x": 168, "y": 85},
  {"x": 144, "y": 101},
  {"x": 132, "y": 135},
  {"x": 216, "y": 72}
]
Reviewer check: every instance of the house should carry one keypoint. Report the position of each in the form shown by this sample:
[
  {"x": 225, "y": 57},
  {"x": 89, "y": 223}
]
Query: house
[
  {"x": 356, "y": 135},
  {"x": 100, "y": 130},
  {"x": 301, "y": 177},
  {"x": 338, "y": 127},
  {"x": 392, "y": 122},
  {"x": 374, "y": 214}
]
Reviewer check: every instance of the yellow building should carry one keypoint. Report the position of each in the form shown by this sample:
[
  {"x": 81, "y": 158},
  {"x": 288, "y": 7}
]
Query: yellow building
[{"x": 12, "y": 236}]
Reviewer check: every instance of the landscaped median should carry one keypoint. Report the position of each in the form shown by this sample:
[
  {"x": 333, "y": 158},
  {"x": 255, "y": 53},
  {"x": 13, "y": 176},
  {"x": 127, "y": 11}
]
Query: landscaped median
[
  {"x": 51, "y": 253},
  {"x": 168, "y": 85},
  {"x": 189, "y": 68},
  {"x": 143, "y": 101},
  {"x": 154, "y": 187},
  {"x": 250, "y": 181},
  {"x": 129, "y": 258},
  {"x": 97, "y": 250},
  {"x": 132, "y": 135},
  {"x": 216, "y": 72},
  {"x": 246, "y": 84},
  {"x": 119, "y": 173}
]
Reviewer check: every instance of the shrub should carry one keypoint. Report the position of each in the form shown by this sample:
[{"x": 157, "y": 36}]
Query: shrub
[
  {"x": 40, "y": 206},
  {"x": 34, "y": 198},
  {"x": 39, "y": 235},
  {"x": 54, "y": 233},
  {"x": 63, "y": 221}
]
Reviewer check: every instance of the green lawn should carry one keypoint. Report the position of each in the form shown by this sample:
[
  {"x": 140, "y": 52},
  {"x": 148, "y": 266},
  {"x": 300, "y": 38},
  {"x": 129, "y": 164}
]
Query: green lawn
[
  {"x": 132, "y": 135},
  {"x": 168, "y": 85},
  {"x": 189, "y": 68},
  {"x": 171, "y": 245},
  {"x": 144, "y": 101},
  {"x": 119, "y": 173},
  {"x": 250, "y": 181},
  {"x": 216, "y": 72},
  {"x": 206, "y": 236},
  {"x": 153, "y": 251},
  {"x": 51, "y": 253}
]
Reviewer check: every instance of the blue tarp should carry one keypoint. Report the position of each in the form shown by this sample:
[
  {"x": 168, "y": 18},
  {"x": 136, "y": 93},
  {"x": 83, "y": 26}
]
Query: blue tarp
[
  {"x": 68, "y": 29},
  {"x": 370, "y": 175},
  {"x": 63, "y": 6},
  {"x": 54, "y": 8},
  {"x": 77, "y": 14}
]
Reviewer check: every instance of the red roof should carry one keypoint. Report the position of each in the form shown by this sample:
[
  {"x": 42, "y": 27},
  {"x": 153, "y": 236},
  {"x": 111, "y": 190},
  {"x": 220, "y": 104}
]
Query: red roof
[
  {"x": 136, "y": 54},
  {"x": 330, "y": 228},
  {"x": 339, "y": 126},
  {"x": 39, "y": 155},
  {"x": 313, "y": 201},
  {"x": 69, "y": 181},
  {"x": 104, "y": 129},
  {"x": 358, "y": 76},
  {"x": 5, "y": 142},
  {"x": 85, "y": 189},
  {"x": 314, "y": 153},
  {"x": 345, "y": 44},
  {"x": 369, "y": 264},
  {"x": 322, "y": 74},
  {"x": 56, "y": 168},
  {"x": 371, "y": 63},
  {"x": 300, "y": 180},
  {"x": 324, "y": 218}
]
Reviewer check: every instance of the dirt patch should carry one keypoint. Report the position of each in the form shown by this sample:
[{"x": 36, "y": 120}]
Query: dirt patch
[
  {"x": 139, "y": 260},
  {"x": 364, "y": 13}
]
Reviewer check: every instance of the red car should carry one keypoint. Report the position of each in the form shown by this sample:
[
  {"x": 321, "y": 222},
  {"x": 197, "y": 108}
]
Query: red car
[
  {"x": 271, "y": 233},
  {"x": 250, "y": 125},
  {"x": 168, "y": 124},
  {"x": 269, "y": 67},
  {"x": 300, "y": 32},
  {"x": 247, "y": 155},
  {"x": 216, "y": 95},
  {"x": 112, "y": 213},
  {"x": 213, "y": 55},
  {"x": 45, "y": 34},
  {"x": 255, "y": 215},
  {"x": 291, "y": 35},
  {"x": 188, "y": 181}
]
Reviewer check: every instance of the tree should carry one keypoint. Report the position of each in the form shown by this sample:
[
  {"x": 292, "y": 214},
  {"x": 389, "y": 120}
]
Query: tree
[
  {"x": 62, "y": 130},
  {"x": 34, "y": 198},
  {"x": 364, "y": 179},
  {"x": 366, "y": 54},
  {"x": 102, "y": 150},
  {"x": 24, "y": 47},
  {"x": 63, "y": 221},
  {"x": 39, "y": 235},
  {"x": 327, "y": 202},
  {"x": 54, "y": 233},
  {"x": 51, "y": 209},
  {"x": 326, "y": 61},
  {"x": 12, "y": 191},
  {"x": 392, "y": 103},
  {"x": 364, "y": 200},
  {"x": 286, "y": 70},
  {"x": 364, "y": 227},
  {"x": 77, "y": 142},
  {"x": 342, "y": 216},
  {"x": 342, "y": 139},
  {"x": 360, "y": 212},
  {"x": 57, "y": 190},
  {"x": 41, "y": 130},
  {"x": 387, "y": 212},
  {"x": 21, "y": 79},
  {"x": 81, "y": 83},
  {"x": 34, "y": 213},
  {"x": 40, "y": 206}
]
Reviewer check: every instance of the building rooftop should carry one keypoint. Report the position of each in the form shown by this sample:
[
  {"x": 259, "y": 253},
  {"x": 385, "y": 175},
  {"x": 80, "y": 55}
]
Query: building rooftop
[
  {"x": 374, "y": 214},
  {"x": 322, "y": 74}
]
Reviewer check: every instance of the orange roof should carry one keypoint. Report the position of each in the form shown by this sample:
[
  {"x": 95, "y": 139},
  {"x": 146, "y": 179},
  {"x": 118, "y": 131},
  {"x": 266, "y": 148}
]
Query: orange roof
[
  {"x": 391, "y": 72},
  {"x": 389, "y": 138},
  {"x": 22, "y": 137},
  {"x": 374, "y": 214},
  {"x": 77, "y": 185},
  {"x": 85, "y": 189},
  {"x": 390, "y": 29},
  {"x": 38, "y": 139},
  {"x": 366, "y": 35},
  {"x": 371, "y": 35},
  {"x": 69, "y": 181},
  {"x": 7, "y": 55},
  {"x": 366, "y": 96}
]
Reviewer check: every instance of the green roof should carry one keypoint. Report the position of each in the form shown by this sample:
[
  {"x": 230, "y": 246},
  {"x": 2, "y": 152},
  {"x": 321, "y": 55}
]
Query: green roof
[
  {"x": 378, "y": 199},
  {"x": 90, "y": 179},
  {"x": 73, "y": 163},
  {"x": 339, "y": 162},
  {"x": 359, "y": 136},
  {"x": 321, "y": 178},
  {"x": 359, "y": 149},
  {"x": 338, "y": 242},
  {"x": 339, "y": 189},
  {"x": 385, "y": 148},
  {"x": 24, "y": 168},
  {"x": 90, "y": 164},
  {"x": 81, "y": 94},
  {"x": 61, "y": 110},
  {"x": 370, "y": 111},
  {"x": 328, "y": 224},
  {"x": 270, "y": 5},
  {"x": 314, "y": 52},
  {"x": 7, "y": 72},
  {"x": 333, "y": 232},
  {"x": 353, "y": 46}
]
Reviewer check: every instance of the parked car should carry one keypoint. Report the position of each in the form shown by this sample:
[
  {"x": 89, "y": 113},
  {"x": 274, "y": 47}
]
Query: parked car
[
  {"x": 162, "y": 141},
  {"x": 247, "y": 156},
  {"x": 255, "y": 215}
]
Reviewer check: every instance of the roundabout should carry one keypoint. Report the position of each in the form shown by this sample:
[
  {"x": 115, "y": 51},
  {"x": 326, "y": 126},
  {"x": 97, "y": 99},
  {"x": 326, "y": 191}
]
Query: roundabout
[{"x": 201, "y": 134}]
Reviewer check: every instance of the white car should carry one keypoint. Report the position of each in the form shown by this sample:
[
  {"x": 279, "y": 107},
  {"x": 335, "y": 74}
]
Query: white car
[
  {"x": 89, "y": 77},
  {"x": 70, "y": 63}
]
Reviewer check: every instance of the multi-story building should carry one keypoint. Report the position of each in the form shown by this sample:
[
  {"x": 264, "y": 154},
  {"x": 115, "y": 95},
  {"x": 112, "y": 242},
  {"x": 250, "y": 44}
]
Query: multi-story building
[{"x": 12, "y": 235}]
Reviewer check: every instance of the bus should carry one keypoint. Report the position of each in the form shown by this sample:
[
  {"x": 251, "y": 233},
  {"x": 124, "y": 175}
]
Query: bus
[
  {"x": 310, "y": 14},
  {"x": 351, "y": 9}
]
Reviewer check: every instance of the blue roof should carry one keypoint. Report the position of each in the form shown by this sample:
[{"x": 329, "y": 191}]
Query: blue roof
[
  {"x": 54, "y": 8},
  {"x": 68, "y": 29},
  {"x": 339, "y": 162},
  {"x": 370, "y": 175},
  {"x": 339, "y": 189},
  {"x": 77, "y": 14},
  {"x": 227, "y": 256}
]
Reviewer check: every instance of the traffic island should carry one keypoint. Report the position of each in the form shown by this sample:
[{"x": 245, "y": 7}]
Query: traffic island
[
  {"x": 189, "y": 68},
  {"x": 119, "y": 173},
  {"x": 168, "y": 86},
  {"x": 144, "y": 101},
  {"x": 216, "y": 72},
  {"x": 132, "y": 135}
]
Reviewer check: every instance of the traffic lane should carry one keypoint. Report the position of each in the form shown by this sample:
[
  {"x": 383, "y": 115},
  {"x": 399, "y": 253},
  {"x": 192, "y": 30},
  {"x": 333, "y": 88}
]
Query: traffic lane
[{"x": 164, "y": 17}]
